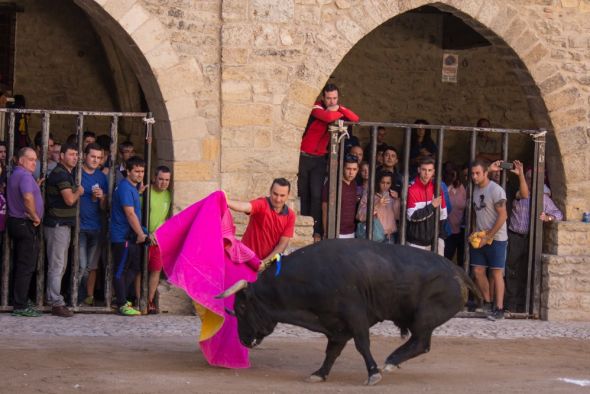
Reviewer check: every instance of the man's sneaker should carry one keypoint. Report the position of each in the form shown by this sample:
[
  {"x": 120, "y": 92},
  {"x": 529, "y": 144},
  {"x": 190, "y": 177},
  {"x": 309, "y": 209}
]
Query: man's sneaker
[
  {"x": 485, "y": 308},
  {"x": 497, "y": 314},
  {"x": 128, "y": 310},
  {"x": 89, "y": 300},
  {"x": 61, "y": 311},
  {"x": 26, "y": 312}
]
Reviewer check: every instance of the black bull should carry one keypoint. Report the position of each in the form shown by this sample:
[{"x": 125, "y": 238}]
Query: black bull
[{"x": 343, "y": 287}]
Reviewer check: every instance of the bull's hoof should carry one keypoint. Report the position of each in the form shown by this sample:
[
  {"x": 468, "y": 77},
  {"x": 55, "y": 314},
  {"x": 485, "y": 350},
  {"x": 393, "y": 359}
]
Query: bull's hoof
[
  {"x": 374, "y": 379},
  {"x": 315, "y": 379},
  {"x": 390, "y": 367}
]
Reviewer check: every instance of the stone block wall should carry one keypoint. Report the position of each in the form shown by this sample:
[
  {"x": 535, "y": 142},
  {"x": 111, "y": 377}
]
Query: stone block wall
[
  {"x": 565, "y": 290},
  {"x": 55, "y": 69},
  {"x": 231, "y": 82},
  {"x": 394, "y": 74}
]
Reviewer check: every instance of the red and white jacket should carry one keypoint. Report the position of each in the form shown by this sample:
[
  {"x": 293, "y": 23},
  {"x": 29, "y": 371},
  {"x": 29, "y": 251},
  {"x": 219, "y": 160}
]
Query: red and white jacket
[
  {"x": 421, "y": 212},
  {"x": 316, "y": 137}
]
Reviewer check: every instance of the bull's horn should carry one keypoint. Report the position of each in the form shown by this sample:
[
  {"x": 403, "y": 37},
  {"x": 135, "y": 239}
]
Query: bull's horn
[{"x": 239, "y": 285}]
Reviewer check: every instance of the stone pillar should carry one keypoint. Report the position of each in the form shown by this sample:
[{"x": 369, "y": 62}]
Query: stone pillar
[{"x": 565, "y": 285}]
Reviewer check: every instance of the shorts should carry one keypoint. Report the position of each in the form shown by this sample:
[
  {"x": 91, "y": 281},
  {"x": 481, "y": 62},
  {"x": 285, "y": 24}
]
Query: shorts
[
  {"x": 491, "y": 256},
  {"x": 154, "y": 259}
]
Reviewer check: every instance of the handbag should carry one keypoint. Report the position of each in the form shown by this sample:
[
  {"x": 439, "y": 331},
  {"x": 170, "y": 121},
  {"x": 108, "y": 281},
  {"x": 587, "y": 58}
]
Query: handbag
[{"x": 378, "y": 232}]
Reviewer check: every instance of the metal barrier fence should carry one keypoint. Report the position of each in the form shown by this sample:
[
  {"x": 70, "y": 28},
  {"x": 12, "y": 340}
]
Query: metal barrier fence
[
  {"x": 338, "y": 135},
  {"x": 46, "y": 115}
]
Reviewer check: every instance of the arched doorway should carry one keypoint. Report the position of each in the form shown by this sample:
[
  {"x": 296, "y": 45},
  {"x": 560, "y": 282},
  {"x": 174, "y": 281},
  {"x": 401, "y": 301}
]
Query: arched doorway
[
  {"x": 514, "y": 46},
  {"x": 507, "y": 84}
]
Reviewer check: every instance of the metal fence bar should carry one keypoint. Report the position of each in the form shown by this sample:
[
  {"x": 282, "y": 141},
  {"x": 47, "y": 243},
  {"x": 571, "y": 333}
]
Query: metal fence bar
[
  {"x": 371, "y": 185},
  {"x": 538, "y": 223},
  {"x": 406, "y": 180},
  {"x": 437, "y": 188},
  {"x": 529, "y": 306},
  {"x": 75, "y": 274},
  {"x": 6, "y": 266},
  {"x": 339, "y": 186},
  {"x": 46, "y": 120},
  {"x": 438, "y": 127},
  {"x": 108, "y": 271},
  {"x": 332, "y": 230},
  {"x": 143, "y": 302},
  {"x": 469, "y": 200},
  {"x": 504, "y": 174},
  {"x": 75, "y": 113}
]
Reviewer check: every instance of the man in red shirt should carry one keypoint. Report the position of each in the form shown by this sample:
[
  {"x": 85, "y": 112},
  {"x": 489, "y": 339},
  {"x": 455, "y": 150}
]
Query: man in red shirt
[
  {"x": 314, "y": 147},
  {"x": 271, "y": 223}
]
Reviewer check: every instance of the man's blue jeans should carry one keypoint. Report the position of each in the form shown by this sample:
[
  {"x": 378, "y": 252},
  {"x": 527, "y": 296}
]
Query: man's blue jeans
[{"x": 90, "y": 242}]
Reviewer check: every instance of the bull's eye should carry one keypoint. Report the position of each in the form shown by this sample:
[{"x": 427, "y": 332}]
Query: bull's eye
[{"x": 240, "y": 308}]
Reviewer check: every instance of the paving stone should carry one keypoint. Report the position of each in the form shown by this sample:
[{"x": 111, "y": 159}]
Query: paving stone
[{"x": 175, "y": 326}]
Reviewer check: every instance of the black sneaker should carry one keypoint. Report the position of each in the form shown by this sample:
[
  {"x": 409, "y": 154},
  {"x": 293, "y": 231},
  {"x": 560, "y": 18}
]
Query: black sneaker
[{"x": 497, "y": 314}]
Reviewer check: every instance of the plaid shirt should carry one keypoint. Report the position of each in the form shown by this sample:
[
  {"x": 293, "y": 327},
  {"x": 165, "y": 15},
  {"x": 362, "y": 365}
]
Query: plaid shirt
[{"x": 519, "y": 217}]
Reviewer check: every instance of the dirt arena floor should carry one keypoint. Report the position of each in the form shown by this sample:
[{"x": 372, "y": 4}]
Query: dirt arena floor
[{"x": 50, "y": 364}]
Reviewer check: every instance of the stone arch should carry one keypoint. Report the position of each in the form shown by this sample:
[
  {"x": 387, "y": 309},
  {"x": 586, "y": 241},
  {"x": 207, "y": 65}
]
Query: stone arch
[
  {"x": 170, "y": 83},
  {"x": 554, "y": 102}
]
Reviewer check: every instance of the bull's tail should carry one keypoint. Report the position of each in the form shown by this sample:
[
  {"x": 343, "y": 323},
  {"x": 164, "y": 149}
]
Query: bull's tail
[{"x": 469, "y": 286}]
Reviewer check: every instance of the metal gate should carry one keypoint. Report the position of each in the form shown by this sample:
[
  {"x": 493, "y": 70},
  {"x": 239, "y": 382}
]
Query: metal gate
[
  {"x": 46, "y": 115},
  {"x": 338, "y": 135}
]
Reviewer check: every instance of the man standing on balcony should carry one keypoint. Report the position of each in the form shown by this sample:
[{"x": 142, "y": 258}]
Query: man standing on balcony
[{"x": 314, "y": 147}]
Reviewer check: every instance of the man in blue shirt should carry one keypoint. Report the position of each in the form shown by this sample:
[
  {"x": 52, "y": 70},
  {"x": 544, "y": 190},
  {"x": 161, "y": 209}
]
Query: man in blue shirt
[
  {"x": 127, "y": 233},
  {"x": 92, "y": 203}
]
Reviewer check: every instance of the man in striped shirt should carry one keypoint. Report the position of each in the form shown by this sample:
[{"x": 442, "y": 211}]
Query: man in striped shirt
[
  {"x": 61, "y": 200},
  {"x": 518, "y": 237}
]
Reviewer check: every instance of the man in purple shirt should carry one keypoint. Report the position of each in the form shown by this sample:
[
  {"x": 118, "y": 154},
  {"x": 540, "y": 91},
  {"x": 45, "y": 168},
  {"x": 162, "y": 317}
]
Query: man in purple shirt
[
  {"x": 518, "y": 238},
  {"x": 25, "y": 210}
]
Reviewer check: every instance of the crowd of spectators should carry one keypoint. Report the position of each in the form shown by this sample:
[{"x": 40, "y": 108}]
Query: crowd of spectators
[
  {"x": 34, "y": 198},
  {"x": 500, "y": 222}
]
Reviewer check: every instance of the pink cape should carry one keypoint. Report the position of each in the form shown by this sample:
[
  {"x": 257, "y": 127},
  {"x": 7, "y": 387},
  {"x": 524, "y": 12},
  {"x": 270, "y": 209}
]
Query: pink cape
[{"x": 201, "y": 255}]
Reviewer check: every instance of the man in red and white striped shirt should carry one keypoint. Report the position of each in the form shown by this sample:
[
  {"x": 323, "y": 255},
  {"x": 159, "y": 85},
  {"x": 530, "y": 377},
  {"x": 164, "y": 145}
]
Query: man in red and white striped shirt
[{"x": 421, "y": 209}]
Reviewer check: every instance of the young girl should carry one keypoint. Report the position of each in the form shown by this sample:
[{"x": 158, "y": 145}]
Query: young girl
[
  {"x": 362, "y": 180},
  {"x": 386, "y": 207}
]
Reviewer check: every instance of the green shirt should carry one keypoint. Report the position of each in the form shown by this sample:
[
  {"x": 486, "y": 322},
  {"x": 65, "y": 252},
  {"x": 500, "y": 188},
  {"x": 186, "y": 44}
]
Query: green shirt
[{"x": 159, "y": 208}]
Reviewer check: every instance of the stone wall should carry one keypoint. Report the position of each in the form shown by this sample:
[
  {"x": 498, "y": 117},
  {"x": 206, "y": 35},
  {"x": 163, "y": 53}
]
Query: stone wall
[
  {"x": 231, "y": 82},
  {"x": 566, "y": 272},
  {"x": 55, "y": 69},
  {"x": 394, "y": 75}
]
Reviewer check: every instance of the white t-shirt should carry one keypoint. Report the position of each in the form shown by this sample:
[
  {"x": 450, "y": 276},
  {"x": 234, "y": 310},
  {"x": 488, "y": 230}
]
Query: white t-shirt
[{"x": 484, "y": 200}]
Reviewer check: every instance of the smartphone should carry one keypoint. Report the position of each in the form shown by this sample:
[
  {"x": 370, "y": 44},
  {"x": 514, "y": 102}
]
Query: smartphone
[{"x": 507, "y": 165}]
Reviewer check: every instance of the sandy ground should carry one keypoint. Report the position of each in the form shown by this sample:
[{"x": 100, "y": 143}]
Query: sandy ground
[{"x": 53, "y": 364}]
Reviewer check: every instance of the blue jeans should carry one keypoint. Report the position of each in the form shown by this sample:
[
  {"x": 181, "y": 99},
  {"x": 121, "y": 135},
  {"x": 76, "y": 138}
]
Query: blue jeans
[{"x": 90, "y": 242}]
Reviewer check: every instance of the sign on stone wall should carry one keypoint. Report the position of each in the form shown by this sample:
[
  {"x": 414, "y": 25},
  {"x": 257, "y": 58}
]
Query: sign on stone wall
[{"x": 450, "y": 67}]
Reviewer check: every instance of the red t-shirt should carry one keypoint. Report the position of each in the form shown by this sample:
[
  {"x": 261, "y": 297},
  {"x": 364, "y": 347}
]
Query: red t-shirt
[{"x": 266, "y": 226}]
